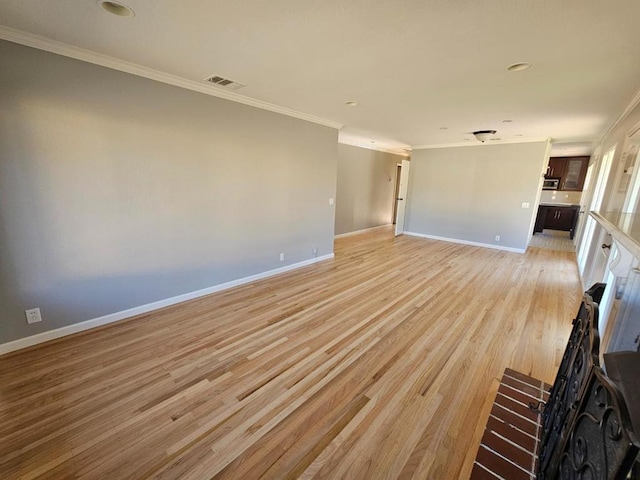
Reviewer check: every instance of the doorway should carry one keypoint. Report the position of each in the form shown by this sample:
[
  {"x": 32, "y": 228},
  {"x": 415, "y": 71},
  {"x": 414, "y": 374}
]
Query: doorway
[
  {"x": 396, "y": 192},
  {"x": 401, "y": 198}
]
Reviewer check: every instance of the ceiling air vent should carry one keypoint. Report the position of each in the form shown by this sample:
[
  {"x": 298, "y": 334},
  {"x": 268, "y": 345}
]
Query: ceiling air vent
[{"x": 224, "y": 82}]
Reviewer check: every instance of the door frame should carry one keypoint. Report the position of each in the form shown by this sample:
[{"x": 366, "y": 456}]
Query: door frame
[
  {"x": 396, "y": 191},
  {"x": 586, "y": 249},
  {"x": 403, "y": 191}
]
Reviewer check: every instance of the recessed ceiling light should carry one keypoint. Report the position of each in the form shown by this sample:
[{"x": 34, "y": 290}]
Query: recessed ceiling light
[
  {"x": 373, "y": 141},
  {"x": 518, "y": 67},
  {"x": 519, "y": 135},
  {"x": 351, "y": 103},
  {"x": 116, "y": 8},
  {"x": 507, "y": 121},
  {"x": 444, "y": 128}
]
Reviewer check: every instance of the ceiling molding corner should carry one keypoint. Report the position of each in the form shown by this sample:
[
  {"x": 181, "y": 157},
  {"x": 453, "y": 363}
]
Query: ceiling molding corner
[
  {"x": 635, "y": 101},
  {"x": 476, "y": 144},
  {"x": 60, "y": 48},
  {"x": 353, "y": 143}
]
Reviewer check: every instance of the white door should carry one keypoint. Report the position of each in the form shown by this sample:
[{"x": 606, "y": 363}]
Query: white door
[
  {"x": 585, "y": 251},
  {"x": 402, "y": 196}
]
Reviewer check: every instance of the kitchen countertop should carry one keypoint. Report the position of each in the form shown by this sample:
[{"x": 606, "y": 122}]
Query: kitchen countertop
[{"x": 559, "y": 204}]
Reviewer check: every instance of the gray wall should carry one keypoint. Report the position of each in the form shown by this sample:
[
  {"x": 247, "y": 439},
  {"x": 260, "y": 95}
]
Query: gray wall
[
  {"x": 366, "y": 182},
  {"x": 117, "y": 191},
  {"x": 475, "y": 193}
]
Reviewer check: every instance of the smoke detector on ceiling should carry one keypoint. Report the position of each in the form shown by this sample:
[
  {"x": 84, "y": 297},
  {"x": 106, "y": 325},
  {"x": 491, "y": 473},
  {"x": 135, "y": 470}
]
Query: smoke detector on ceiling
[
  {"x": 224, "y": 82},
  {"x": 116, "y": 8},
  {"x": 484, "y": 135},
  {"x": 518, "y": 67}
]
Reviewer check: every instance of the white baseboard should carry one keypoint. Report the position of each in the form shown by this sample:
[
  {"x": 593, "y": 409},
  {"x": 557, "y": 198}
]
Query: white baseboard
[
  {"x": 117, "y": 316},
  {"x": 348, "y": 234},
  {"x": 466, "y": 242}
]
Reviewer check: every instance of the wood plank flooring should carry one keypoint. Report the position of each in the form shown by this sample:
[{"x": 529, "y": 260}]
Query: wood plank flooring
[{"x": 381, "y": 363}]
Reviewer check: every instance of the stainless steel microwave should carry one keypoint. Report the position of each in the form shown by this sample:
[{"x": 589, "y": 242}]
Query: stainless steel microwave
[{"x": 551, "y": 184}]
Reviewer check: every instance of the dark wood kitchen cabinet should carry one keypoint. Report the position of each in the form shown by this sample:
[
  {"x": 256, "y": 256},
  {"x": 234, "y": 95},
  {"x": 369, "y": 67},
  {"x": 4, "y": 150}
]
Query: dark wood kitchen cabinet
[
  {"x": 570, "y": 170},
  {"x": 559, "y": 218},
  {"x": 575, "y": 173},
  {"x": 556, "y": 167},
  {"x": 556, "y": 217}
]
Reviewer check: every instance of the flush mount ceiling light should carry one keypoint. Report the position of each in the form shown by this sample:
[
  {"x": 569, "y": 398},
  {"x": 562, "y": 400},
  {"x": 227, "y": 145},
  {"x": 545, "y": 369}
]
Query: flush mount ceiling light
[
  {"x": 116, "y": 8},
  {"x": 483, "y": 135},
  {"x": 351, "y": 103},
  {"x": 518, "y": 67}
]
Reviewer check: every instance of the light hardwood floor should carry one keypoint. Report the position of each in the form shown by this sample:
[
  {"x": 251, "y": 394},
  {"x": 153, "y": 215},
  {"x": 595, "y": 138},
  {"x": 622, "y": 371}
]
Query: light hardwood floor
[{"x": 381, "y": 363}]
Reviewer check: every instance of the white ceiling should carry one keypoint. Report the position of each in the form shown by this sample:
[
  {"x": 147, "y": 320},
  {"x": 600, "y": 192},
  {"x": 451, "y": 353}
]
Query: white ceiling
[{"x": 414, "y": 66}]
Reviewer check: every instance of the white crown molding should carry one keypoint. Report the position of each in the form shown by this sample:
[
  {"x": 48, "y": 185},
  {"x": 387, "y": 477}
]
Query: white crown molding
[
  {"x": 53, "y": 46},
  {"x": 635, "y": 101},
  {"x": 569, "y": 140},
  {"x": 149, "y": 307},
  {"x": 466, "y": 242},
  {"x": 355, "y": 143},
  {"x": 478, "y": 144}
]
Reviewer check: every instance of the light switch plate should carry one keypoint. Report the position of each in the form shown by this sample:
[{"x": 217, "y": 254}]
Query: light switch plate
[{"x": 525, "y": 204}]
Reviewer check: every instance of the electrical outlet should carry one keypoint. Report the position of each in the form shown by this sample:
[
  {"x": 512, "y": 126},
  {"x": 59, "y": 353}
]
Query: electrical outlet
[
  {"x": 314, "y": 251},
  {"x": 33, "y": 315},
  {"x": 497, "y": 238},
  {"x": 331, "y": 201},
  {"x": 282, "y": 257},
  {"x": 525, "y": 204}
]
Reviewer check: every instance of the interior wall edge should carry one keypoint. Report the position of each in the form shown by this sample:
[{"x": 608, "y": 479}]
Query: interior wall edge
[
  {"x": 536, "y": 204},
  {"x": 49, "y": 335}
]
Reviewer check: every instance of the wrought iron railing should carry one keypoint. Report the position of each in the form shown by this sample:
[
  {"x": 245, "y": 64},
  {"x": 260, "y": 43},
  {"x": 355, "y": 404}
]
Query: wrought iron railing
[
  {"x": 580, "y": 356},
  {"x": 586, "y": 429},
  {"x": 601, "y": 443}
]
